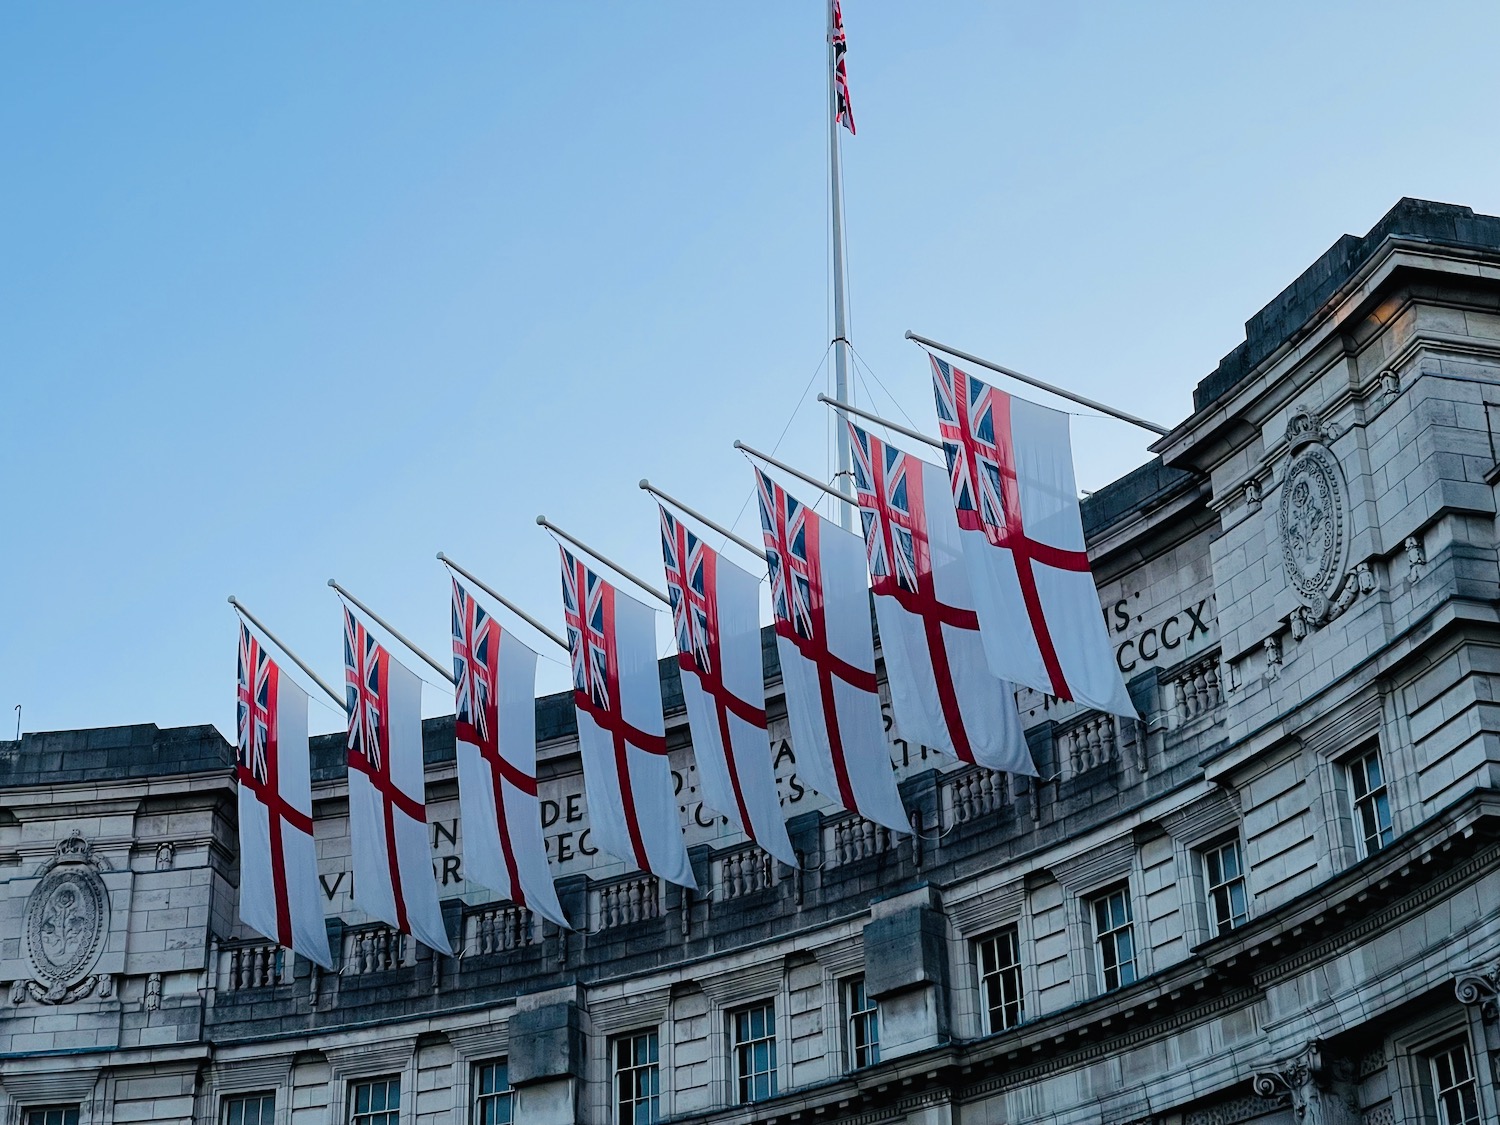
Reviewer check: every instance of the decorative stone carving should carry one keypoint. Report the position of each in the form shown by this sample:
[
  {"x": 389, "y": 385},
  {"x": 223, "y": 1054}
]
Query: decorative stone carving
[
  {"x": 153, "y": 992},
  {"x": 166, "y": 853},
  {"x": 1312, "y": 523},
  {"x": 1273, "y": 658},
  {"x": 1314, "y": 543},
  {"x": 18, "y": 992},
  {"x": 67, "y": 919},
  {"x": 1416, "y": 558},
  {"x": 1322, "y": 1088},
  {"x": 1481, "y": 987},
  {"x": 1390, "y": 384},
  {"x": 1297, "y": 623},
  {"x": 1252, "y": 496}
]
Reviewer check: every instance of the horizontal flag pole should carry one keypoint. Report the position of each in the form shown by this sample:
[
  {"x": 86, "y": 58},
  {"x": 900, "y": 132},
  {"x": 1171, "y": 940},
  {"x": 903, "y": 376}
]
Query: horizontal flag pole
[
  {"x": 503, "y": 600},
  {"x": 239, "y": 608},
  {"x": 1039, "y": 384},
  {"x": 798, "y": 473},
  {"x": 647, "y": 486},
  {"x": 605, "y": 559},
  {"x": 391, "y": 629},
  {"x": 847, "y": 408}
]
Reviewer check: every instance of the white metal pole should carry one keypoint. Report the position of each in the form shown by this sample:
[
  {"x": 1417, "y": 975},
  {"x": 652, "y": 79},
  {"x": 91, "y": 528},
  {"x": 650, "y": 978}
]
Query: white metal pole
[
  {"x": 785, "y": 468},
  {"x": 701, "y": 518},
  {"x": 391, "y": 629},
  {"x": 239, "y": 607},
  {"x": 1039, "y": 384},
  {"x": 605, "y": 559},
  {"x": 503, "y": 600},
  {"x": 915, "y": 435},
  {"x": 842, "y": 390}
]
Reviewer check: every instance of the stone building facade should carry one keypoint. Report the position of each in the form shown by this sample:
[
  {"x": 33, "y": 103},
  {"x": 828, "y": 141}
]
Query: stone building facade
[{"x": 1274, "y": 899}]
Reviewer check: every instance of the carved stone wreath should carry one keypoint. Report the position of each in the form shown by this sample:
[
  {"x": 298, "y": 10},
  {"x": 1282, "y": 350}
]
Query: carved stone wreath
[{"x": 67, "y": 919}]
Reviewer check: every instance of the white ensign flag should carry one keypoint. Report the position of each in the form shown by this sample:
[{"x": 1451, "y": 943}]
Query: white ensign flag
[
  {"x": 495, "y": 731},
  {"x": 278, "y": 864},
  {"x": 393, "y": 877},
  {"x": 1011, "y": 475},
  {"x": 827, "y": 651},
  {"x": 942, "y": 691}
]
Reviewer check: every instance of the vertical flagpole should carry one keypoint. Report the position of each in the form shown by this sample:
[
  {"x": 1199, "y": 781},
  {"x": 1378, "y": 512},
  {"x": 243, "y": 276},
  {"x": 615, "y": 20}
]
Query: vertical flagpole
[{"x": 842, "y": 390}]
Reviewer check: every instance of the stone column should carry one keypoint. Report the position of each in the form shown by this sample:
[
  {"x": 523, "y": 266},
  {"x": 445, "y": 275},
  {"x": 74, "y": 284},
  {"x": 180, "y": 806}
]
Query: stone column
[
  {"x": 548, "y": 1053},
  {"x": 906, "y": 972}
]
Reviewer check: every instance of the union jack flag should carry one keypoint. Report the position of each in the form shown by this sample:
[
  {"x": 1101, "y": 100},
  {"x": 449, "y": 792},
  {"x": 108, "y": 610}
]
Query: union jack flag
[
  {"x": 475, "y": 641},
  {"x": 687, "y": 583},
  {"x": 257, "y": 675},
  {"x": 588, "y": 641},
  {"x": 364, "y": 678},
  {"x": 844, "y": 112},
  {"x": 794, "y": 585},
  {"x": 977, "y": 463},
  {"x": 885, "y": 508}
]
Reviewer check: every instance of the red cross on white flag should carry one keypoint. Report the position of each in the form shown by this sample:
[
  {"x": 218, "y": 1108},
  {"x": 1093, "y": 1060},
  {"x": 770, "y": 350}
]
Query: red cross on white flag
[
  {"x": 622, "y": 736},
  {"x": 942, "y": 691},
  {"x": 495, "y": 731},
  {"x": 393, "y": 877},
  {"x": 827, "y": 651},
  {"x": 1011, "y": 473},
  {"x": 278, "y": 865},
  {"x": 716, "y": 616}
]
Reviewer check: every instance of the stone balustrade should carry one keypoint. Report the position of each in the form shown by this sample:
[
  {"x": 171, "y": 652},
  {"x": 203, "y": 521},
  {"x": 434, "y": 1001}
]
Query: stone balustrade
[
  {"x": 849, "y": 838},
  {"x": 744, "y": 872},
  {"x": 1088, "y": 744},
  {"x": 499, "y": 928},
  {"x": 252, "y": 965},
  {"x": 1194, "y": 690},
  {"x": 973, "y": 793},
  {"x": 622, "y": 903},
  {"x": 376, "y": 949}
]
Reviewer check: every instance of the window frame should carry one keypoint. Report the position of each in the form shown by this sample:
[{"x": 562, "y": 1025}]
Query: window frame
[
  {"x": 653, "y": 1066},
  {"x": 354, "y": 1117},
  {"x": 228, "y": 1099},
  {"x": 479, "y": 1098},
  {"x": 75, "y": 1108},
  {"x": 1111, "y": 935},
  {"x": 986, "y": 1018},
  {"x": 1216, "y": 926},
  {"x": 1377, "y": 797},
  {"x": 738, "y": 1048},
  {"x": 862, "y": 1022},
  {"x": 1460, "y": 1045}
]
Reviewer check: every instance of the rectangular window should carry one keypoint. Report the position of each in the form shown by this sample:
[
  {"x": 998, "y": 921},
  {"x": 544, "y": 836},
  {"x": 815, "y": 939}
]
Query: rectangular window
[
  {"x": 1224, "y": 875},
  {"x": 753, "y": 1034},
  {"x": 249, "y": 1109},
  {"x": 52, "y": 1115},
  {"x": 376, "y": 1101},
  {"x": 999, "y": 958},
  {"x": 1372, "y": 806},
  {"x": 1454, "y": 1086},
  {"x": 863, "y": 1025},
  {"x": 492, "y": 1093},
  {"x": 1114, "y": 933},
  {"x": 637, "y": 1079}
]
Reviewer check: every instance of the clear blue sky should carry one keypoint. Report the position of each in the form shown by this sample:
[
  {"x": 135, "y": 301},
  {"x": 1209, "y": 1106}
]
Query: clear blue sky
[{"x": 291, "y": 291}]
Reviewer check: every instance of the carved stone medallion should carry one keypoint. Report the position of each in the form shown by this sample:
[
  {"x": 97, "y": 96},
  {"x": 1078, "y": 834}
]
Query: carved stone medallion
[
  {"x": 1313, "y": 503},
  {"x": 67, "y": 918}
]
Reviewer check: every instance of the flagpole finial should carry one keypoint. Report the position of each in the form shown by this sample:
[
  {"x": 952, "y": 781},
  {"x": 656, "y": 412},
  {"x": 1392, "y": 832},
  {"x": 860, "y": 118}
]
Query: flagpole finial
[
  {"x": 645, "y": 484},
  {"x": 334, "y": 583},
  {"x": 233, "y": 601},
  {"x": 909, "y": 335},
  {"x": 442, "y": 557},
  {"x": 541, "y": 521}
]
